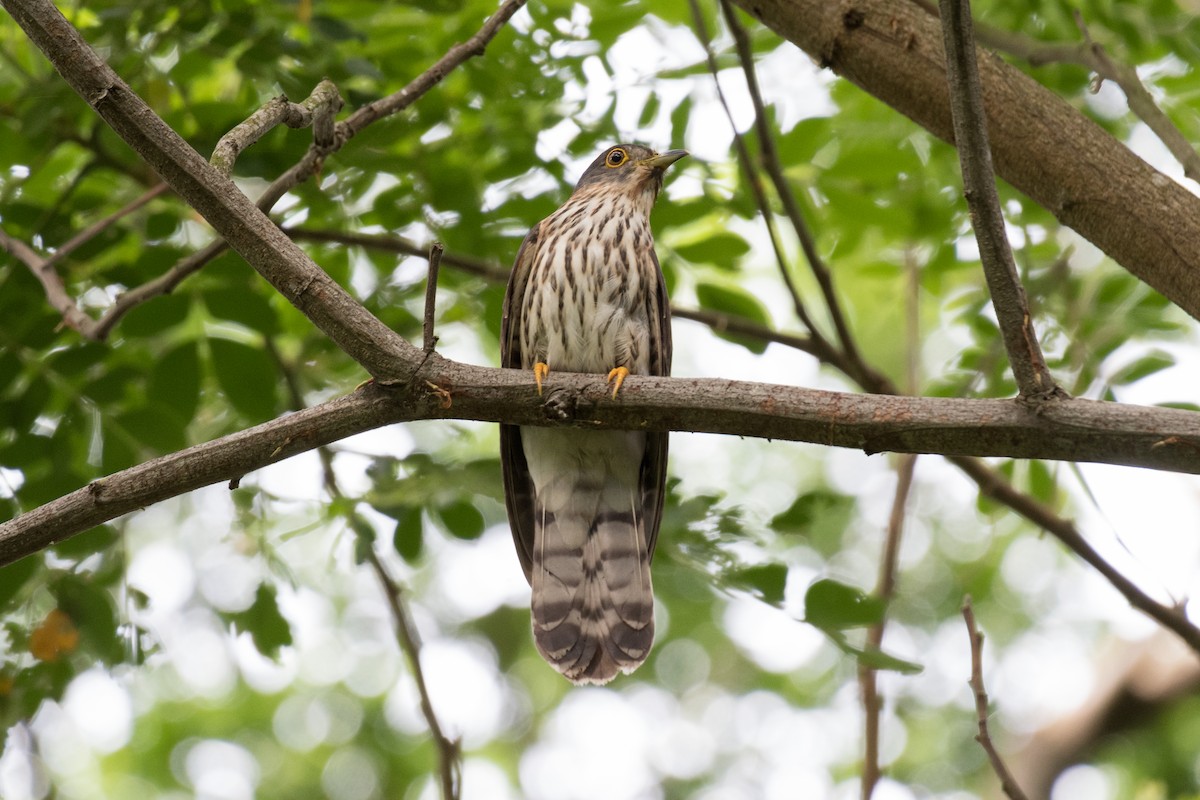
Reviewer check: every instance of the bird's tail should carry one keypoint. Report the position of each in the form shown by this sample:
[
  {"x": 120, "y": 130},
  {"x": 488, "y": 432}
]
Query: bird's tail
[{"x": 593, "y": 604}]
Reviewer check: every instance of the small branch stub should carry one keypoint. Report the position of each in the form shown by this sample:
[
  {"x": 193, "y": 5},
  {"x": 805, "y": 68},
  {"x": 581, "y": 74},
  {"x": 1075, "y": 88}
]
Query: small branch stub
[{"x": 435, "y": 260}]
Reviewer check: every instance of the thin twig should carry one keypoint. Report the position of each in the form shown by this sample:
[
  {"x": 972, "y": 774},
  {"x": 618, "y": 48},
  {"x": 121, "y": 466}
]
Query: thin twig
[
  {"x": 490, "y": 270},
  {"x": 455, "y": 56},
  {"x": 96, "y": 228},
  {"x": 1093, "y": 56},
  {"x": 52, "y": 284},
  {"x": 314, "y": 158},
  {"x": 1007, "y": 783},
  {"x": 769, "y": 157},
  {"x": 435, "y": 258},
  {"x": 449, "y": 767},
  {"x": 756, "y": 187},
  {"x": 979, "y": 186},
  {"x": 885, "y": 587},
  {"x": 449, "y": 750},
  {"x": 992, "y": 484}
]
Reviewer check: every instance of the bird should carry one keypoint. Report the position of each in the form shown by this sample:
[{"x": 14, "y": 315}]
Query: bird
[{"x": 586, "y": 294}]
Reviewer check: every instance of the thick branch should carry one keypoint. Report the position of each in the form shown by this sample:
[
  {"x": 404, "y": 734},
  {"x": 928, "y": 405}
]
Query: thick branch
[
  {"x": 1075, "y": 430},
  {"x": 1092, "y": 55},
  {"x": 1041, "y": 145},
  {"x": 979, "y": 187}
]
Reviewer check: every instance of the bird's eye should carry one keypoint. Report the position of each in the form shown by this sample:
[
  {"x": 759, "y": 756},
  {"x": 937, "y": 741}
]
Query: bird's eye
[{"x": 616, "y": 157}]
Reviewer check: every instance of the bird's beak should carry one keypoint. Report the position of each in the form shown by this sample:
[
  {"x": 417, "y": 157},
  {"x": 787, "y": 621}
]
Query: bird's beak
[{"x": 664, "y": 160}]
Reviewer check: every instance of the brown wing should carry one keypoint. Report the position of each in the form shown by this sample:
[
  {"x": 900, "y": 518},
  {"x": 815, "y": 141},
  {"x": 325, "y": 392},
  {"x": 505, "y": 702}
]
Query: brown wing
[
  {"x": 518, "y": 486},
  {"x": 654, "y": 464}
]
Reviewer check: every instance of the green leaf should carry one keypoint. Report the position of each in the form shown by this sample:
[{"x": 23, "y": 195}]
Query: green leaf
[
  {"x": 408, "y": 537},
  {"x": 175, "y": 380},
  {"x": 263, "y": 621},
  {"x": 720, "y": 249},
  {"x": 462, "y": 519},
  {"x": 1144, "y": 366},
  {"x": 765, "y": 581},
  {"x": 247, "y": 376},
  {"x": 244, "y": 306},
  {"x": 93, "y": 612},
  {"x": 834, "y": 606},
  {"x": 737, "y": 303},
  {"x": 15, "y": 575}
]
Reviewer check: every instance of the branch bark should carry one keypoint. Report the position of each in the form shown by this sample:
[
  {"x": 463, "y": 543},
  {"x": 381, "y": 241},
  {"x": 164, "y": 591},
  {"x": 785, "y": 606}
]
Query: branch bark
[
  {"x": 1076, "y": 430},
  {"x": 979, "y": 187},
  {"x": 1091, "y": 182}
]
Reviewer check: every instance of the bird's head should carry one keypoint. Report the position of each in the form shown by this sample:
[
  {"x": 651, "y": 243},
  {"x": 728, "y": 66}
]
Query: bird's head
[{"x": 628, "y": 168}]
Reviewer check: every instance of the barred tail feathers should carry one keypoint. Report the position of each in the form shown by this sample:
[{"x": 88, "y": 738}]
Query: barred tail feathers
[{"x": 593, "y": 602}]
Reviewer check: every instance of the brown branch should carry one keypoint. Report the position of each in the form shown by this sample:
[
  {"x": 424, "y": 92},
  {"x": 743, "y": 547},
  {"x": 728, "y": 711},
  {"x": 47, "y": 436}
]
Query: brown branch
[
  {"x": 771, "y": 164},
  {"x": 98, "y": 227},
  {"x": 1034, "y": 380},
  {"x": 1041, "y": 145},
  {"x": 56, "y": 293},
  {"x": 756, "y": 187},
  {"x": 1007, "y": 784},
  {"x": 449, "y": 750},
  {"x": 1093, "y": 56},
  {"x": 318, "y": 110},
  {"x": 885, "y": 587},
  {"x": 1077, "y": 430},
  {"x": 328, "y": 139},
  {"x": 992, "y": 484},
  {"x": 435, "y": 259}
]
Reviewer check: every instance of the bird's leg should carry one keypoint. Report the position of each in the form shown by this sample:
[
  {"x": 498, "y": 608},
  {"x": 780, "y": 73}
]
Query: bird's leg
[
  {"x": 616, "y": 376},
  {"x": 540, "y": 370}
]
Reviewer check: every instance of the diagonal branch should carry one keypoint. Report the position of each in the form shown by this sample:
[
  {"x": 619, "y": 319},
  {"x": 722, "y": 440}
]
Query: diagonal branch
[
  {"x": 1041, "y": 145},
  {"x": 449, "y": 750},
  {"x": 449, "y": 755},
  {"x": 1093, "y": 56},
  {"x": 756, "y": 187},
  {"x": 354, "y": 329},
  {"x": 1007, "y": 783},
  {"x": 769, "y": 156},
  {"x": 1034, "y": 380},
  {"x": 98, "y": 227},
  {"x": 318, "y": 110},
  {"x": 326, "y": 142},
  {"x": 52, "y": 284}
]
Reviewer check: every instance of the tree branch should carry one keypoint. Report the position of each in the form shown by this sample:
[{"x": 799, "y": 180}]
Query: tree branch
[
  {"x": 1076, "y": 430},
  {"x": 769, "y": 157},
  {"x": 979, "y": 187},
  {"x": 52, "y": 284},
  {"x": 760, "y": 194},
  {"x": 449, "y": 751},
  {"x": 1093, "y": 56},
  {"x": 355, "y": 330},
  {"x": 318, "y": 110},
  {"x": 1007, "y": 784},
  {"x": 328, "y": 138},
  {"x": 98, "y": 227},
  {"x": 1041, "y": 145}
]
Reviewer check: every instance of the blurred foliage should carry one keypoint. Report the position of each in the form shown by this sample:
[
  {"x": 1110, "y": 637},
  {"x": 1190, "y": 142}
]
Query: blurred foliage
[{"x": 491, "y": 150}]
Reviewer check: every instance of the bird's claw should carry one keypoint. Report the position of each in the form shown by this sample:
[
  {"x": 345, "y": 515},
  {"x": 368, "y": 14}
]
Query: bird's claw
[
  {"x": 540, "y": 370},
  {"x": 616, "y": 376}
]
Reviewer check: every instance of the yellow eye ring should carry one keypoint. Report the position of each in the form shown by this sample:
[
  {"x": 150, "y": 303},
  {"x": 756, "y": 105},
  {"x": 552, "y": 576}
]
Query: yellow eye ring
[{"x": 616, "y": 157}]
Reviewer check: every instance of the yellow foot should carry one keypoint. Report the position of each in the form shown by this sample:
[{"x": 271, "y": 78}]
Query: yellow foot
[
  {"x": 616, "y": 376},
  {"x": 540, "y": 371}
]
